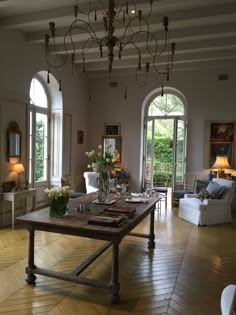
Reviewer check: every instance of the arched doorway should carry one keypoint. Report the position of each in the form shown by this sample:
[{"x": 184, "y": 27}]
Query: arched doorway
[{"x": 164, "y": 147}]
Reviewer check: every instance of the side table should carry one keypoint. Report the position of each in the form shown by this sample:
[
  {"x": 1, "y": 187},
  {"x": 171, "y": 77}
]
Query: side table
[{"x": 15, "y": 196}]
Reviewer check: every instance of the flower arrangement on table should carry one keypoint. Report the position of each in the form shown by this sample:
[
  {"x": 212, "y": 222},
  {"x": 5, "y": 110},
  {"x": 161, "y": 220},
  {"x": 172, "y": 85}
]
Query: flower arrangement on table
[
  {"x": 58, "y": 198},
  {"x": 103, "y": 164}
]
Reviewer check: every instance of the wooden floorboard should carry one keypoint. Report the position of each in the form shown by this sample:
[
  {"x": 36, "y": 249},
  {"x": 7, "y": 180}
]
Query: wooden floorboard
[{"x": 184, "y": 275}]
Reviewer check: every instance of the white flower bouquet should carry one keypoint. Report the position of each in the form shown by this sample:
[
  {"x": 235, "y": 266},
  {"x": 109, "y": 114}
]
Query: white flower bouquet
[
  {"x": 58, "y": 198},
  {"x": 103, "y": 162}
]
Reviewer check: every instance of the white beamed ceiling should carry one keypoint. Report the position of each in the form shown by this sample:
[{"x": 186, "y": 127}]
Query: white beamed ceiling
[{"x": 204, "y": 30}]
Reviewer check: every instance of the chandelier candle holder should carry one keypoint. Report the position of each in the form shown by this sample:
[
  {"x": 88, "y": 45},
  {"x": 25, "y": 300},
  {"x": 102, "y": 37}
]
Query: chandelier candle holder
[{"x": 110, "y": 32}]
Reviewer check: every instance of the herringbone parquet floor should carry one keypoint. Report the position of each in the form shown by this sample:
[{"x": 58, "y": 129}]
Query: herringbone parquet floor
[{"x": 184, "y": 275}]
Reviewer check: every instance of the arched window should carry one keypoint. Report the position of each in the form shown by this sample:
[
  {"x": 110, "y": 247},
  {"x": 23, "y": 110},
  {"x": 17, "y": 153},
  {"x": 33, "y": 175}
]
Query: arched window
[
  {"x": 45, "y": 130},
  {"x": 37, "y": 94},
  {"x": 166, "y": 105}
]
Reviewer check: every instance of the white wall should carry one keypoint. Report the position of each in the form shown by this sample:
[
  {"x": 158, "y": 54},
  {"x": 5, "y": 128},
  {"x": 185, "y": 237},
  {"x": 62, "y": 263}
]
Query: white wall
[
  {"x": 208, "y": 99},
  {"x": 19, "y": 62},
  {"x": 75, "y": 100}
]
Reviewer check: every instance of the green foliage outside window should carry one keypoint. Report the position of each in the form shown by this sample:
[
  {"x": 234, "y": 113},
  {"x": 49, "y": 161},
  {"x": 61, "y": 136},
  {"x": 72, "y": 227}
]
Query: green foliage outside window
[
  {"x": 39, "y": 144},
  {"x": 163, "y": 156}
]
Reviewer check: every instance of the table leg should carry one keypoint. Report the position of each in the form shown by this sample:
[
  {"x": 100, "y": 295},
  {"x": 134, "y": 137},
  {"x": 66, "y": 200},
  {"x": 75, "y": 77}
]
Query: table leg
[
  {"x": 34, "y": 203},
  {"x": 3, "y": 213},
  {"x": 114, "y": 296},
  {"x": 151, "y": 243},
  {"x": 13, "y": 214},
  {"x": 31, "y": 266}
]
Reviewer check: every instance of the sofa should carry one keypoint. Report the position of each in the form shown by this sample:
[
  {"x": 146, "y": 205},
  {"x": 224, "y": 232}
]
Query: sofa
[{"x": 213, "y": 208}]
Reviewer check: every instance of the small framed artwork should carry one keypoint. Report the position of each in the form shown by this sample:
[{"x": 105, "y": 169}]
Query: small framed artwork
[
  {"x": 222, "y": 132},
  {"x": 80, "y": 137},
  {"x": 112, "y": 129}
]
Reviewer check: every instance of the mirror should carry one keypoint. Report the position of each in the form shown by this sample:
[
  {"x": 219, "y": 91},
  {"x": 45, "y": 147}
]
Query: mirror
[
  {"x": 114, "y": 142},
  {"x": 14, "y": 141}
]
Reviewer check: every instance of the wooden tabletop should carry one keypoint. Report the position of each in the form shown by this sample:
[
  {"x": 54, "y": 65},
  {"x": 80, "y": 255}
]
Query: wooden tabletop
[{"x": 76, "y": 223}]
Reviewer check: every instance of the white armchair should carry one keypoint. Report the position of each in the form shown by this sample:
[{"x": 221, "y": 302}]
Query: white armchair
[
  {"x": 91, "y": 182},
  {"x": 208, "y": 211},
  {"x": 228, "y": 300}
]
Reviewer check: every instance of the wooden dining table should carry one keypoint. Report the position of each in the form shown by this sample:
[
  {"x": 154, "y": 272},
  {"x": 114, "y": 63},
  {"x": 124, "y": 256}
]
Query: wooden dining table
[{"x": 76, "y": 223}]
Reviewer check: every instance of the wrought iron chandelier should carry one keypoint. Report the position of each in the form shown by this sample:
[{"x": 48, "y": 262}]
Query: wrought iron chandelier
[{"x": 123, "y": 26}]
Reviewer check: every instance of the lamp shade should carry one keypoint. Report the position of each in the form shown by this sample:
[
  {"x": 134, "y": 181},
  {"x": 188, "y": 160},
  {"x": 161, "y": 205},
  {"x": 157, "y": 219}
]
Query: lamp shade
[
  {"x": 221, "y": 162},
  {"x": 18, "y": 168}
]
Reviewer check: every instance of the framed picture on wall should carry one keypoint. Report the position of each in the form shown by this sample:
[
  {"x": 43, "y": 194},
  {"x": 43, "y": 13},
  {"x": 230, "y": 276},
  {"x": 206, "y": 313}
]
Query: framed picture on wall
[
  {"x": 221, "y": 141},
  {"x": 112, "y": 129},
  {"x": 222, "y": 132},
  {"x": 80, "y": 137}
]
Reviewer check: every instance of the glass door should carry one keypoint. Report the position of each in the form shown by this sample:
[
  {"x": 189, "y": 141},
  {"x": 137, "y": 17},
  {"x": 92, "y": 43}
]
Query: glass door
[
  {"x": 179, "y": 150},
  {"x": 158, "y": 151},
  {"x": 38, "y": 154},
  {"x": 148, "y": 154}
]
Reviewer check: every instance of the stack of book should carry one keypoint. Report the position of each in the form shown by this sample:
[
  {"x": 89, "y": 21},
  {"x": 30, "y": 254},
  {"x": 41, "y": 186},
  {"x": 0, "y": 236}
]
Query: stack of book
[
  {"x": 108, "y": 219},
  {"x": 128, "y": 211}
]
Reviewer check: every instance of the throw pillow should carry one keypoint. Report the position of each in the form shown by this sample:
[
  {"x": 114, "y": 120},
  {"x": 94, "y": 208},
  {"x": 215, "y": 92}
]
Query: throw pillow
[
  {"x": 215, "y": 190},
  {"x": 204, "y": 194},
  {"x": 221, "y": 194}
]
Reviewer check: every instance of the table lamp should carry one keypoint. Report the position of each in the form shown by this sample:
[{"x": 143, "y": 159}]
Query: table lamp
[
  {"x": 18, "y": 168},
  {"x": 221, "y": 163}
]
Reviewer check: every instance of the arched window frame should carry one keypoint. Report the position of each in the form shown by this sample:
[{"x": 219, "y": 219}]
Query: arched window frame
[
  {"x": 147, "y": 118},
  {"x": 158, "y": 93},
  {"x": 55, "y": 118}
]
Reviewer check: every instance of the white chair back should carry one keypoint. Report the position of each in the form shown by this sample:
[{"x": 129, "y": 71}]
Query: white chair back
[
  {"x": 228, "y": 300},
  {"x": 91, "y": 182}
]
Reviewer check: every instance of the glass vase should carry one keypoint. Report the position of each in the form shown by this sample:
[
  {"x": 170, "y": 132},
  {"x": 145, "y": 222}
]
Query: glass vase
[
  {"x": 103, "y": 187},
  {"x": 58, "y": 206}
]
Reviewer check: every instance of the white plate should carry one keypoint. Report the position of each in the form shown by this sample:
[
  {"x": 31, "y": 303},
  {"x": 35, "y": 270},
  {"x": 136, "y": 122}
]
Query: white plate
[
  {"x": 105, "y": 203},
  {"x": 137, "y": 200}
]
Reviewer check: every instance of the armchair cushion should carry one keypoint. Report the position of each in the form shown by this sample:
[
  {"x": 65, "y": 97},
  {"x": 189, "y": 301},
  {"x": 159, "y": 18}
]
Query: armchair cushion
[
  {"x": 181, "y": 192},
  {"x": 204, "y": 194},
  {"x": 215, "y": 190},
  {"x": 160, "y": 189}
]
